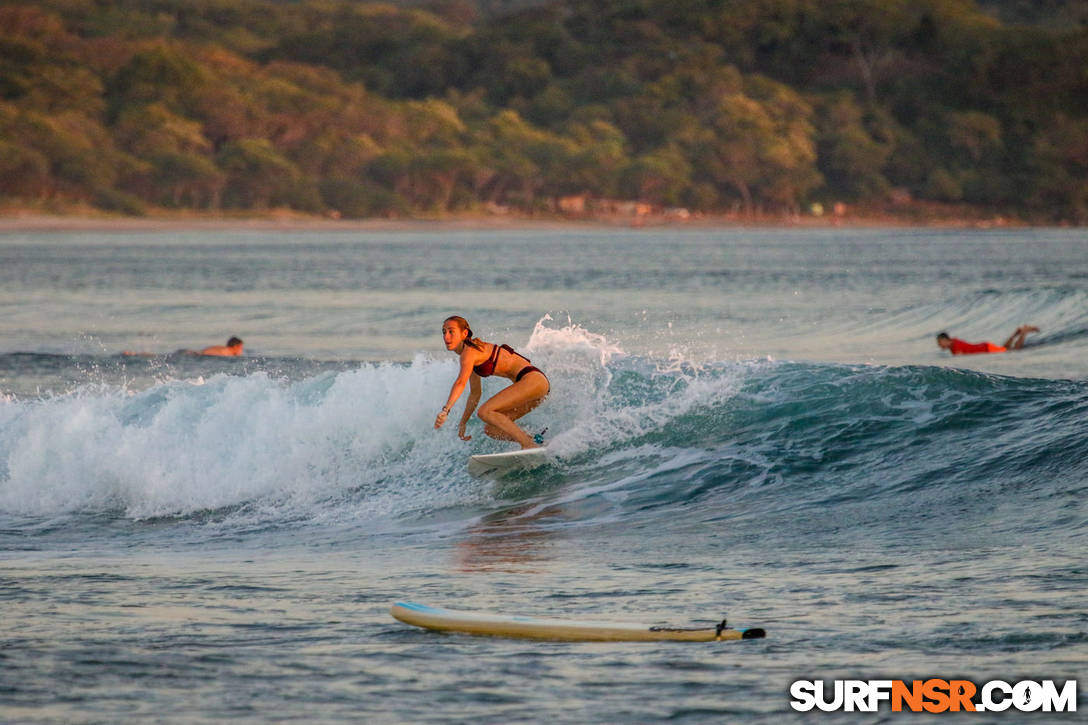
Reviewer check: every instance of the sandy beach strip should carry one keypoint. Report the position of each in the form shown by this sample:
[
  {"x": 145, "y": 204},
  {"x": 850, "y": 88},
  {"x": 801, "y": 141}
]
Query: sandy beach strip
[{"x": 22, "y": 221}]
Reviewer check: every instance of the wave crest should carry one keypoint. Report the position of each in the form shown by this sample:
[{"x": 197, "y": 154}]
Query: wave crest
[{"x": 646, "y": 436}]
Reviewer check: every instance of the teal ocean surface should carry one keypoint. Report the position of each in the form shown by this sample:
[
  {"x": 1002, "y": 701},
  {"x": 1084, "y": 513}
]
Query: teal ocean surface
[{"x": 747, "y": 423}]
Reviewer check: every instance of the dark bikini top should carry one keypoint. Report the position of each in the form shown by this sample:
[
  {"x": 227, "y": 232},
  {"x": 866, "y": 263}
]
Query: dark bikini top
[{"x": 487, "y": 367}]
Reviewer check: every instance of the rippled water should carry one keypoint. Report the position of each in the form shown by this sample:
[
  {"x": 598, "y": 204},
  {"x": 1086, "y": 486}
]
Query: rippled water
[{"x": 746, "y": 423}]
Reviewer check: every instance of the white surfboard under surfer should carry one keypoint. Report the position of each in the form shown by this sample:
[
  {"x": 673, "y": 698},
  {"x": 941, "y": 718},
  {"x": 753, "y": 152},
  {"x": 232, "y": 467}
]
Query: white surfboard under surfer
[{"x": 499, "y": 413}]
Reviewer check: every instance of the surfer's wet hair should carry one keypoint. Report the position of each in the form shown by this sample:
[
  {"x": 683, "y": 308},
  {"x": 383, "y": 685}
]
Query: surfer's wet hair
[
  {"x": 234, "y": 341},
  {"x": 471, "y": 341}
]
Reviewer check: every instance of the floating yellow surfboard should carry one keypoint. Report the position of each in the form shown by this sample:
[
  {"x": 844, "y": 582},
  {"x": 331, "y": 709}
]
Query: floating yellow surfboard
[{"x": 502, "y": 625}]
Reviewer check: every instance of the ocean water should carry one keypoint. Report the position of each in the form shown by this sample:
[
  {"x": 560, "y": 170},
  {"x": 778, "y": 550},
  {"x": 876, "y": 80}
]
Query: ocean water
[{"x": 746, "y": 423}]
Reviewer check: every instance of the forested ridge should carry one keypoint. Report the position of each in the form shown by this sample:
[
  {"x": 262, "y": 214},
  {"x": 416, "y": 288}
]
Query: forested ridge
[{"x": 357, "y": 109}]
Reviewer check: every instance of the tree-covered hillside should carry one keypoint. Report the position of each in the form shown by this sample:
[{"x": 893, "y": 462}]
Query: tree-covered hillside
[
  {"x": 1048, "y": 13},
  {"x": 358, "y": 108}
]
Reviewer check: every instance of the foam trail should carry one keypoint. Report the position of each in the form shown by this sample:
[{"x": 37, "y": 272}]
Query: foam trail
[
  {"x": 361, "y": 441},
  {"x": 179, "y": 448}
]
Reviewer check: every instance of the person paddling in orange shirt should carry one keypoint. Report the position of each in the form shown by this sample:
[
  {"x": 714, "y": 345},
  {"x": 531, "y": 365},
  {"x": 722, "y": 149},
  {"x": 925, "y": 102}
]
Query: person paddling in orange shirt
[
  {"x": 231, "y": 349},
  {"x": 959, "y": 347}
]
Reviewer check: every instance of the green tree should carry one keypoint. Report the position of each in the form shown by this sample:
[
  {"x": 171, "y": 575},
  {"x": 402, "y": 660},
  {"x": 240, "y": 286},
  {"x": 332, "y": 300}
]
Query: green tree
[
  {"x": 80, "y": 153},
  {"x": 659, "y": 177},
  {"x": 596, "y": 161},
  {"x": 851, "y": 157},
  {"x": 151, "y": 129},
  {"x": 521, "y": 160},
  {"x": 427, "y": 179},
  {"x": 1059, "y": 188},
  {"x": 973, "y": 135},
  {"x": 257, "y": 176},
  {"x": 24, "y": 172},
  {"x": 186, "y": 180},
  {"x": 163, "y": 74},
  {"x": 760, "y": 143}
]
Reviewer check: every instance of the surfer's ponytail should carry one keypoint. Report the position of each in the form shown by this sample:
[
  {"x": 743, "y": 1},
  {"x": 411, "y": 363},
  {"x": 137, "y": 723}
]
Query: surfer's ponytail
[{"x": 463, "y": 324}]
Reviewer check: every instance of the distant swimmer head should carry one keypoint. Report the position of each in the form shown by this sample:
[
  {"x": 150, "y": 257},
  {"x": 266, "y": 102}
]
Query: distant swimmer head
[
  {"x": 944, "y": 340},
  {"x": 456, "y": 330},
  {"x": 234, "y": 342}
]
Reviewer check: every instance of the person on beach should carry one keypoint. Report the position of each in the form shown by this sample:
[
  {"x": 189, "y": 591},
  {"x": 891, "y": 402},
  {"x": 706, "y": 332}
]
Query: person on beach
[
  {"x": 959, "y": 347},
  {"x": 480, "y": 359},
  {"x": 231, "y": 349}
]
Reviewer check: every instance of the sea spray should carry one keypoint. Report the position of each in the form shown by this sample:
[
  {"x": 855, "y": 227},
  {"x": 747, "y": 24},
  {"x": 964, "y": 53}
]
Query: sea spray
[{"x": 179, "y": 448}]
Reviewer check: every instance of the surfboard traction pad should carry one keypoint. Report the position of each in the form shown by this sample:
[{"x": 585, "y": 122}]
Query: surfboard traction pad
[{"x": 519, "y": 627}]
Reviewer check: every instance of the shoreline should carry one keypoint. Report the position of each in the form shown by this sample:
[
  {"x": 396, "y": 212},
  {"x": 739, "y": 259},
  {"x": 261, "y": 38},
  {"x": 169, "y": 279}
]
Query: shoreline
[{"x": 24, "y": 221}]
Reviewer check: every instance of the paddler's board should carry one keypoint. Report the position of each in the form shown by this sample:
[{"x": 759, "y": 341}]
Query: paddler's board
[
  {"x": 490, "y": 464},
  {"x": 570, "y": 630}
]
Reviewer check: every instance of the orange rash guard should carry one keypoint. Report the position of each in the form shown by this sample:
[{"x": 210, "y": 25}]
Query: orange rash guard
[{"x": 959, "y": 347}]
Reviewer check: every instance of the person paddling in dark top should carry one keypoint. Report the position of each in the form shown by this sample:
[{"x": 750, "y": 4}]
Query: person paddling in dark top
[
  {"x": 481, "y": 359},
  {"x": 958, "y": 347}
]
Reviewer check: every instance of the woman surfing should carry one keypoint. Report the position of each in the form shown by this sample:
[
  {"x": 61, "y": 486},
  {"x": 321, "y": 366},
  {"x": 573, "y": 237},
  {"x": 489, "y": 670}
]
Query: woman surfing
[{"x": 480, "y": 359}]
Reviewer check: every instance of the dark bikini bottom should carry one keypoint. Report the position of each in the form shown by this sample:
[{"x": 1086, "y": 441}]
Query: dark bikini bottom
[{"x": 526, "y": 370}]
